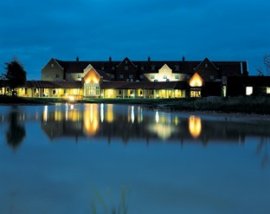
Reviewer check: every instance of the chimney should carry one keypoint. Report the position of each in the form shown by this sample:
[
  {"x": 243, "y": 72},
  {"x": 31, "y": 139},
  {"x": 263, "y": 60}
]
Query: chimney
[
  {"x": 183, "y": 58},
  {"x": 149, "y": 59},
  {"x": 110, "y": 59},
  {"x": 77, "y": 59}
]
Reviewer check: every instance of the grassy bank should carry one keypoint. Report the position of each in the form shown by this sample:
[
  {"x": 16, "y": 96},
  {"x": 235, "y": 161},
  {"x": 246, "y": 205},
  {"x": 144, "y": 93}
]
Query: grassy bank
[
  {"x": 9, "y": 100},
  {"x": 258, "y": 105}
]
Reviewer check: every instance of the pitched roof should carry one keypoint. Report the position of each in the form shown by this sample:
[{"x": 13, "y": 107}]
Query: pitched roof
[
  {"x": 228, "y": 68},
  {"x": 54, "y": 84}
]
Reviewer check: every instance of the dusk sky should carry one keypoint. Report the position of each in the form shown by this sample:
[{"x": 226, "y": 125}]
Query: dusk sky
[{"x": 35, "y": 31}]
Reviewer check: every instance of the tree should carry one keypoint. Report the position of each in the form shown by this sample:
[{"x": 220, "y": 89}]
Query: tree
[{"x": 15, "y": 75}]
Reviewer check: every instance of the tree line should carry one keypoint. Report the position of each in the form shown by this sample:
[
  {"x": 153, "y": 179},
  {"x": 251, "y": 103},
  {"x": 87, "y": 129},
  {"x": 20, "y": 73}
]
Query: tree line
[{"x": 14, "y": 75}]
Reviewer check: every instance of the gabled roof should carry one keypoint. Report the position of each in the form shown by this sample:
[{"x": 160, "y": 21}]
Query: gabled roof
[{"x": 227, "y": 68}]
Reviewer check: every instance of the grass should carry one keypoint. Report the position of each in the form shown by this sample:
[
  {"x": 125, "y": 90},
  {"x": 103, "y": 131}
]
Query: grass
[{"x": 252, "y": 104}]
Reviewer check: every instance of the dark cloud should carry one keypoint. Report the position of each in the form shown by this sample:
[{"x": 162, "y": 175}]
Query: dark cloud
[{"x": 35, "y": 31}]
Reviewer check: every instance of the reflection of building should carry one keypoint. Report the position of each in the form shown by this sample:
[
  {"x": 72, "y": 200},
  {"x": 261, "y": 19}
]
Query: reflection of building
[
  {"x": 135, "y": 123},
  {"x": 133, "y": 79}
]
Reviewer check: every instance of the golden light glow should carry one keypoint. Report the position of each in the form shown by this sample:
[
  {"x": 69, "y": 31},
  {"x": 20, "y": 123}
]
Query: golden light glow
[
  {"x": 109, "y": 113},
  {"x": 58, "y": 115},
  {"x": 163, "y": 131},
  {"x": 45, "y": 113},
  {"x": 91, "y": 119},
  {"x": 110, "y": 93},
  {"x": 195, "y": 126},
  {"x": 196, "y": 81},
  {"x": 71, "y": 98},
  {"x": 92, "y": 77}
]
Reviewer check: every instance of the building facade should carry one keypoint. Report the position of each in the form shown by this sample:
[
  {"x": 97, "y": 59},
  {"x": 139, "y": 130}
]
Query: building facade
[{"x": 134, "y": 79}]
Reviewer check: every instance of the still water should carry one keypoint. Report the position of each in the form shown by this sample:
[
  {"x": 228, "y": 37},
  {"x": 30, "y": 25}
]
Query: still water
[{"x": 128, "y": 159}]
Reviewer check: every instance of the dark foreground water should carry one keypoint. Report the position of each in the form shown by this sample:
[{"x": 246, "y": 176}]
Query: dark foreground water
[{"x": 127, "y": 159}]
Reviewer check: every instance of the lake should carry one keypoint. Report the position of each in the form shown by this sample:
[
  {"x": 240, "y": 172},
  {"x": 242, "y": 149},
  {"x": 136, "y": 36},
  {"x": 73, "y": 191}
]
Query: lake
[{"x": 104, "y": 158}]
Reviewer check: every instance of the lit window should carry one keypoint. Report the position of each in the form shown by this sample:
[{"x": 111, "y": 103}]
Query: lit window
[
  {"x": 268, "y": 90},
  {"x": 249, "y": 90}
]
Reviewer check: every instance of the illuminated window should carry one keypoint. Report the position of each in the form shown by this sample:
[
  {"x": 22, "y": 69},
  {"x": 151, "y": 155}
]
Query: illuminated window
[
  {"x": 268, "y": 90},
  {"x": 249, "y": 90},
  {"x": 195, "y": 93}
]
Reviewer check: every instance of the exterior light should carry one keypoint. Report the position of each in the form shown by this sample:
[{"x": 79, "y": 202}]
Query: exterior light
[{"x": 196, "y": 81}]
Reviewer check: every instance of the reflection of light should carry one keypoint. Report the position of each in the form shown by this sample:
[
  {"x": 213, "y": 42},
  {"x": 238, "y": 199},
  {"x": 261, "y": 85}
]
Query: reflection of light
[
  {"x": 157, "y": 117},
  {"x": 163, "y": 131},
  {"x": 71, "y": 107},
  {"x": 132, "y": 114},
  {"x": 45, "y": 113},
  {"x": 195, "y": 126},
  {"x": 91, "y": 119},
  {"x": 196, "y": 81},
  {"x": 109, "y": 113},
  {"x": 176, "y": 121},
  {"x": 58, "y": 115},
  {"x": 102, "y": 112},
  {"x": 140, "y": 115}
]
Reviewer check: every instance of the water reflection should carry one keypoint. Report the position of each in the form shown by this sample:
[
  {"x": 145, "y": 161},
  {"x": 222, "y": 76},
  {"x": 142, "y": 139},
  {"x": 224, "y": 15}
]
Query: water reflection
[
  {"x": 129, "y": 123},
  {"x": 195, "y": 126},
  {"x": 16, "y": 131}
]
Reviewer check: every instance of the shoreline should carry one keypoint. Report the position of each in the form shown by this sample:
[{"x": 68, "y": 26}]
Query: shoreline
[{"x": 243, "y": 105}]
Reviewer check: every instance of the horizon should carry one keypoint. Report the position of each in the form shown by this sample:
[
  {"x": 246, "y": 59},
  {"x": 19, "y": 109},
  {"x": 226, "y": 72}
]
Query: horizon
[{"x": 34, "y": 32}]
